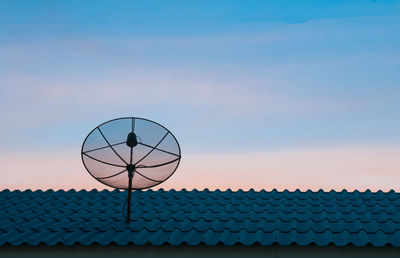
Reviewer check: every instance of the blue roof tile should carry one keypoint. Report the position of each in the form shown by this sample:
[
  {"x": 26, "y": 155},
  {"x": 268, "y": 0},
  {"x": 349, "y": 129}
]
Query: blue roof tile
[
  {"x": 212, "y": 238},
  {"x": 229, "y": 238},
  {"x": 377, "y": 238},
  {"x": 194, "y": 217},
  {"x": 140, "y": 238},
  {"x": 193, "y": 237}
]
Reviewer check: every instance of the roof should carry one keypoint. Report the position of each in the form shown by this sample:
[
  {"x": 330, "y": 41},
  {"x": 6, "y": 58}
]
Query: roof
[{"x": 200, "y": 217}]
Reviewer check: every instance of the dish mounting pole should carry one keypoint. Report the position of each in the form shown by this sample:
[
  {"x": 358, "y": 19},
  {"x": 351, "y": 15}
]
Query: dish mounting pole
[
  {"x": 130, "y": 175},
  {"x": 131, "y": 141}
]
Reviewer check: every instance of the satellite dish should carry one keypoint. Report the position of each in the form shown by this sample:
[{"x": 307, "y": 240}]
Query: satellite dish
[{"x": 130, "y": 153}]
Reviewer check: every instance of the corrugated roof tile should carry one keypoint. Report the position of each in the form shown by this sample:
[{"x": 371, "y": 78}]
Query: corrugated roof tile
[
  {"x": 193, "y": 237},
  {"x": 193, "y": 217}
]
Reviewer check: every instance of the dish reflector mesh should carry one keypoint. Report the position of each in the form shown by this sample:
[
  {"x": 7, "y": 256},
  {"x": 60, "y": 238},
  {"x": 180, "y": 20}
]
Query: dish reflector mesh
[{"x": 107, "y": 156}]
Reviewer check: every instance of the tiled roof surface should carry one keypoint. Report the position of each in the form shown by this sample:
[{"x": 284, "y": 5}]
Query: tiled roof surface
[{"x": 201, "y": 217}]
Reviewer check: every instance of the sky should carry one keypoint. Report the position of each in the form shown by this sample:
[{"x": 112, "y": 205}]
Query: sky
[{"x": 260, "y": 94}]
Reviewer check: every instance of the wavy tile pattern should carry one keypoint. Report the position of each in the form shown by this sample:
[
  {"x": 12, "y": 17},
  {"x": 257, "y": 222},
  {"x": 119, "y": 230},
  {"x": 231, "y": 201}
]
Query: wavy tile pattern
[{"x": 200, "y": 217}]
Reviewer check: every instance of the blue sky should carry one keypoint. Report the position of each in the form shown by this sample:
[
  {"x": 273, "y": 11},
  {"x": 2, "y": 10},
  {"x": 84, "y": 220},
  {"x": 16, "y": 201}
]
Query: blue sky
[{"x": 226, "y": 77}]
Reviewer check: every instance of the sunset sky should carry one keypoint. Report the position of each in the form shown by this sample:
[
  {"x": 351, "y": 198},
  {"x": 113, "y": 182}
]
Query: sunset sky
[{"x": 260, "y": 94}]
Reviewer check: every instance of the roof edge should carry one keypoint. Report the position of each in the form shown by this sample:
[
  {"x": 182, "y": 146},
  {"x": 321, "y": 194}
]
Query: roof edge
[{"x": 205, "y": 190}]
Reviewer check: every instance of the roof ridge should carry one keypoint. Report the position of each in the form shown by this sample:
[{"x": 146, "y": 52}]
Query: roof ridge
[{"x": 229, "y": 190}]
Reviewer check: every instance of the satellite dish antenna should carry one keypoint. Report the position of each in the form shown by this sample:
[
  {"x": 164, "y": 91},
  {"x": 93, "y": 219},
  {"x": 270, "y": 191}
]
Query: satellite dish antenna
[{"x": 130, "y": 153}]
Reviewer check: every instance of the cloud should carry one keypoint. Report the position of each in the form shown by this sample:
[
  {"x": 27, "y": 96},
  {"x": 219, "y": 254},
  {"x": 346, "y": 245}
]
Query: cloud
[{"x": 261, "y": 75}]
